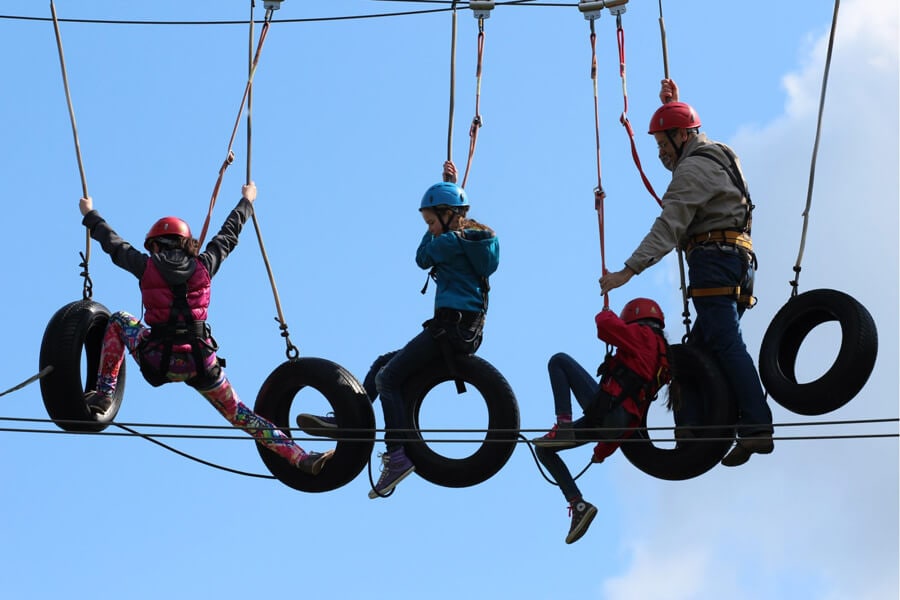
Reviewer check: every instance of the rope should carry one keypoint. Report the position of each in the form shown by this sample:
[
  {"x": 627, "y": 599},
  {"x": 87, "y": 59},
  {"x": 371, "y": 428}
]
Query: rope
[
  {"x": 45, "y": 371},
  {"x": 296, "y": 20},
  {"x": 88, "y": 289},
  {"x": 229, "y": 158},
  {"x": 190, "y": 456},
  {"x": 812, "y": 167},
  {"x": 291, "y": 351},
  {"x": 453, "y": 28},
  {"x": 540, "y": 467},
  {"x": 662, "y": 35},
  {"x": 599, "y": 194},
  {"x": 620, "y": 38},
  {"x": 303, "y": 20},
  {"x": 686, "y": 311},
  {"x": 476, "y": 120},
  {"x": 517, "y": 432},
  {"x": 630, "y": 440}
]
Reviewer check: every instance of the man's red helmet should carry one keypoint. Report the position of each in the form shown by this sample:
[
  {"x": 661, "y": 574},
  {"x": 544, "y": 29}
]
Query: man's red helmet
[
  {"x": 172, "y": 226},
  {"x": 643, "y": 308},
  {"x": 674, "y": 115}
]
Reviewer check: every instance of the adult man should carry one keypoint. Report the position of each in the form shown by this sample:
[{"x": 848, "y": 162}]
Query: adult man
[{"x": 706, "y": 212}]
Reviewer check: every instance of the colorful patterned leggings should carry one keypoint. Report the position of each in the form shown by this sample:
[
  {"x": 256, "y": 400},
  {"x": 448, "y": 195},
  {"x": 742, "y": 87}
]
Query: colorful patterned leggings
[{"x": 124, "y": 331}]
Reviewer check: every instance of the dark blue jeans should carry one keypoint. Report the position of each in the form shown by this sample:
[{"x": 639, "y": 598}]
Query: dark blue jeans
[
  {"x": 718, "y": 329},
  {"x": 418, "y": 352},
  {"x": 568, "y": 378}
]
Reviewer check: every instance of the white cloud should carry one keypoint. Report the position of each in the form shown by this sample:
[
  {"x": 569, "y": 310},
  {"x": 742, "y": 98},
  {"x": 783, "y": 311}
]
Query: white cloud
[
  {"x": 821, "y": 515},
  {"x": 680, "y": 575}
]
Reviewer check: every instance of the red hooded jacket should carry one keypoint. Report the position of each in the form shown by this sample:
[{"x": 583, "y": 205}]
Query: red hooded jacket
[{"x": 642, "y": 350}]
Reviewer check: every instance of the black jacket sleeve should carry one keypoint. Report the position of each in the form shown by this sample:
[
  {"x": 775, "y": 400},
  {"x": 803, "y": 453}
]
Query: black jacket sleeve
[
  {"x": 221, "y": 245},
  {"x": 123, "y": 254}
]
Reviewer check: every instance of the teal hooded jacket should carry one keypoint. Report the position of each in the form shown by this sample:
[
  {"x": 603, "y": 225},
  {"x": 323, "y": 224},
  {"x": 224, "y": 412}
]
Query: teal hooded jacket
[{"x": 461, "y": 262}]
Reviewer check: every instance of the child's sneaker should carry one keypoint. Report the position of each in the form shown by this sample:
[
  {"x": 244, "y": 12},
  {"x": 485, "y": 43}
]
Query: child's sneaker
[
  {"x": 395, "y": 466},
  {"x": 582, "y": 514},
  {"x": 316, "y": 425},
  {"x": 314, "y": 462},
  {"x": 97, "y": 403},
  {"x": 560, "y": 436}
]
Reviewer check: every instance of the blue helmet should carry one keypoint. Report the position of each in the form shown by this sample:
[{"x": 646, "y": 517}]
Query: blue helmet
[{"x": 444, "y": 194}]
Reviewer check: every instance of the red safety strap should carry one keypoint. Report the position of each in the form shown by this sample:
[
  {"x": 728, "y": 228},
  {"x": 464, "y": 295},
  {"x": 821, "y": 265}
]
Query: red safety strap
[
  {"x": 476, "y": 120},
  {"x": 620, "y": 36}
]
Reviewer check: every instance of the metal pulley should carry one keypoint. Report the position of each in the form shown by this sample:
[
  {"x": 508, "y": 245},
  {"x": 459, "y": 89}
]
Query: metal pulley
[
  {"x": 591, "y": 9},
  {"x": 482, "y": 9}
]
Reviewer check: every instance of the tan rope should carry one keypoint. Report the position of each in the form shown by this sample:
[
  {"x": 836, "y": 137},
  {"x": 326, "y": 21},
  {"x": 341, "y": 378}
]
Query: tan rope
[{"x": 87, "y": 291}]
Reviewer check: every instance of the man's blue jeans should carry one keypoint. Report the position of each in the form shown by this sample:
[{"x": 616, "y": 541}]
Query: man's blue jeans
[{"x": 718, "y": 329}]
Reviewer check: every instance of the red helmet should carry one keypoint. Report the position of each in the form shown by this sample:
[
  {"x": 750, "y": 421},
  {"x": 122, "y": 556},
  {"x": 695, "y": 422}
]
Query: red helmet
[
  {"x": 168, "y": 226},
  {"x": 674, "y": 115},
  {"x": 642, "y": 308}
]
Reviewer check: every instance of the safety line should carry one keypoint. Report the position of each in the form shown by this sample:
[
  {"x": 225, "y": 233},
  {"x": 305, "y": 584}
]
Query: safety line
[
  {"x": 599, "y": 194},
  {"x": 344, "y": 438},
  {"x": 88, "y": 287},
  {"x": 623, "y": 118},
  {"x": 45, "y": 371},
  {"x": 513, "y": 3},
  {"x": 451, "y": 430},
  {"x": 686, "y": 310},
  {"x": 812, "y": 166},
  {"x": 132, "y": 432},
  {"x": 299, "y": 20},
  {"x": 229, "y": 158},
  {"x": 540, "y": 467},
  {"x": 453, "y": 30},
  {"x": 476, "y": 120},
  {"x": 291, "y": 351}
]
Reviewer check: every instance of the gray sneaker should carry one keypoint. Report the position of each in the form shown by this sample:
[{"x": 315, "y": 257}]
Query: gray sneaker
[
  {"x": 97, "y": 403},
  {"x": 560, "y": 436},
  {"x": 314, "y": 462},
  {"x": 316, "y": 425},
  {"x": 395, "y": 467},
  {"x": 582, "y": 514}
]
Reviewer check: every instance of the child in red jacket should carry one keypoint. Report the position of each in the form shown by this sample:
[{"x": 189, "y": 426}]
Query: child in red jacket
[{"x": 630, "y": 379}]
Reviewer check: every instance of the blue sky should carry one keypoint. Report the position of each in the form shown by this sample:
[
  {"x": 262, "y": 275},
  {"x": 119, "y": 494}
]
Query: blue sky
[{"x": 350, "y": 127}]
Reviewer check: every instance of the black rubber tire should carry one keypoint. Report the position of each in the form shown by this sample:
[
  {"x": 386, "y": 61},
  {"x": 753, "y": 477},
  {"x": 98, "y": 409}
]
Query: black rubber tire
[
  {"x": 785, "y": 335},
  {"x": 77, "y": 326},
  {"x": 351, "y": 408},
  {"x": 503, "y": 423},
  {"x": 701, "y": 380}
]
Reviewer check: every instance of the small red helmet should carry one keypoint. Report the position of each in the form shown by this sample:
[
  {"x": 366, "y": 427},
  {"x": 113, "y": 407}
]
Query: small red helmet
[
  {"x": 167, "y": 226},
  {"x": 642, "y": 308},
  {"x": 674, "y": 115}
]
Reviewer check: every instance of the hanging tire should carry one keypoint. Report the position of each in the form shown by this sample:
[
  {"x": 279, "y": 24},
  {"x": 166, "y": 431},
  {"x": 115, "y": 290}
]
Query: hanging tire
[
  {"x": 782, "y": 341},
  {"x": 701, "y": 381},
  {"x": 499, "y": 441},
  {"x": 351, "y": 408},
  {"x": 76, "y": 327}
]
